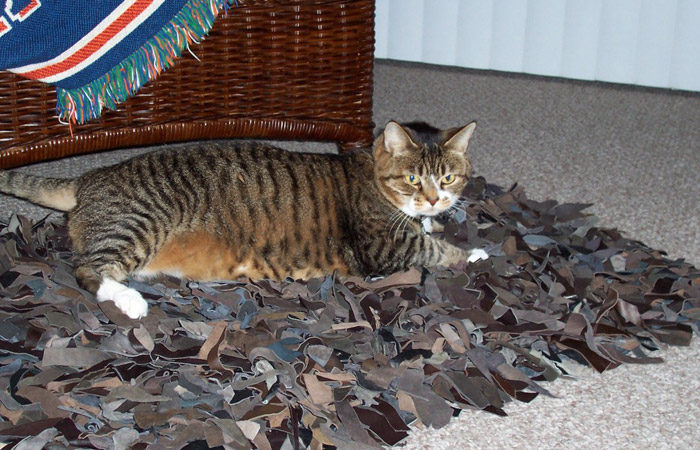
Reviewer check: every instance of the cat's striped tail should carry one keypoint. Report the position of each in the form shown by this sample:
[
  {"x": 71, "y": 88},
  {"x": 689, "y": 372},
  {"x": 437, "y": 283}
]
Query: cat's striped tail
[{"x": 56, "y": 193}]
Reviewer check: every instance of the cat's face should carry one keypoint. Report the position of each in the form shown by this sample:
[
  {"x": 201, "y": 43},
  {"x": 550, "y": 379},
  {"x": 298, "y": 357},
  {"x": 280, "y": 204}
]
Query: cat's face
[{"x": 422, "y": 173}]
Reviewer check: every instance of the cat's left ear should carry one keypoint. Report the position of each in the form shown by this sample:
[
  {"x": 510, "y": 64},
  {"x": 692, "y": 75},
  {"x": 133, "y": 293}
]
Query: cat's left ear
[
  {"x": 459, "y": 141},
  {"x": 395, "y": 140}
]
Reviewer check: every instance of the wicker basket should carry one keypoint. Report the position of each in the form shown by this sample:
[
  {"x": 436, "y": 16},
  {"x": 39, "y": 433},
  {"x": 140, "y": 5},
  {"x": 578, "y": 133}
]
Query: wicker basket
[{"x": 299, "y": 69}]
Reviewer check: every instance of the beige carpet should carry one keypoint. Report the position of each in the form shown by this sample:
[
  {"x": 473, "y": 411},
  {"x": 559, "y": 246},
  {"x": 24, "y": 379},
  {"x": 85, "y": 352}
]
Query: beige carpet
[
  {"x": 640, "y": 407},
  {"x": 634, "y": 153}
]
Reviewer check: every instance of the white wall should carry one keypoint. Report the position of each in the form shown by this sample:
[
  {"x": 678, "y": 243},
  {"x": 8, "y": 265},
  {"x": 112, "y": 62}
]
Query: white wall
[{"x": 645, "y": 42}]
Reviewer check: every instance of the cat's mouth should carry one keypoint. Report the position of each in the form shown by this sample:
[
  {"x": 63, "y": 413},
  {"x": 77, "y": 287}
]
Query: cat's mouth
[{"x": 430, "y": 211}]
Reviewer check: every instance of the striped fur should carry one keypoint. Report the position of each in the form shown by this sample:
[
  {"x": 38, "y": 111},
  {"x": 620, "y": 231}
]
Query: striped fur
[
  {"x": 223, "y": 211},
  {"x": 56, "y": 193}
]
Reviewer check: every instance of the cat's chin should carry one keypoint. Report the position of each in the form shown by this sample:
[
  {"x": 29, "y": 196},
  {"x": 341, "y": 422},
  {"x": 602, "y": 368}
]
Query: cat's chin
[
  {"x": 410, "y": 211},
  {"x": 424, "y": 214},
  {"x": 416, "y": 213}
]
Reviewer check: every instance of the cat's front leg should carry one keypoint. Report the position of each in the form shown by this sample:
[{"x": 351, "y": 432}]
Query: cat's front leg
[
  {"x": 437, "y": 252},
  {"x": 477, "y": 254}
]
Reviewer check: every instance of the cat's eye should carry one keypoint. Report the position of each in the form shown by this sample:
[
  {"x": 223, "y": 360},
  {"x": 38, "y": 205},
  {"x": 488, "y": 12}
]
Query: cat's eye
[
  {"x": 448, "y": 179},
  {"x": 413, "y": 180}
]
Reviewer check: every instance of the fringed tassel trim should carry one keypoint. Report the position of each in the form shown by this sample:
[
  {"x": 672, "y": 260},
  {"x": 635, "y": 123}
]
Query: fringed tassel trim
[{"x": 189, "y": 26}]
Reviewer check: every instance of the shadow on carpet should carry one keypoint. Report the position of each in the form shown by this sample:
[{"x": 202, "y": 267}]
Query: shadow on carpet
[{"x": 330, "y": 361}]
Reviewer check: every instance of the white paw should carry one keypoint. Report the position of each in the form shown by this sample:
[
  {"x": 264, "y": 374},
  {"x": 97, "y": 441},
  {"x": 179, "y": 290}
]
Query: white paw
[
  {"x": 131, "y": 303},
  {"x": 128, "y": 300},
  {"x": 477, "y": 254}
]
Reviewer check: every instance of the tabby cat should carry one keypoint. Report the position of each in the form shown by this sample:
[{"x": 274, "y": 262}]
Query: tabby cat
[{"x": 222, "y": 211}]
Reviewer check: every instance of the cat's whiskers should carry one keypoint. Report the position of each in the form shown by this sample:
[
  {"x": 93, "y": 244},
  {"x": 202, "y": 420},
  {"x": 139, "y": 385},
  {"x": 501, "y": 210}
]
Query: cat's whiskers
[
  {"x": 402, "y": 225},
  {"x": 394, "y": 219},
  {"x": 394, "y": 222},
  {"x": 398, "y": 223}
]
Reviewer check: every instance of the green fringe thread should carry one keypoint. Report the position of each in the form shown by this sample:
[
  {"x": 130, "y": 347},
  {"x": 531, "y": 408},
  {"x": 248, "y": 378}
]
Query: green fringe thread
[{"x": 191, "y": 24}]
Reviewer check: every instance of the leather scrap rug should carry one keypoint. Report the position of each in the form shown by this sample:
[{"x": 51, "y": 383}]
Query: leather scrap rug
[{"x": 330, "y": 362}]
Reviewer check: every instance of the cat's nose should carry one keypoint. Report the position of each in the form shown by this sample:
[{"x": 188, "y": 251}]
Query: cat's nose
[{"x": 432, "y": 201}]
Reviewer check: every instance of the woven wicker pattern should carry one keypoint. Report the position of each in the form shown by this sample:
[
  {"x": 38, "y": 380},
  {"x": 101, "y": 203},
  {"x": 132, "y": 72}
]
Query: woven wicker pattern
[{"x": 269, "y": 69}]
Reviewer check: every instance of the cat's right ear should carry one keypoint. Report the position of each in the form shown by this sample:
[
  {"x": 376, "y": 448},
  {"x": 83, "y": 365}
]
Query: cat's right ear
[
  {"x": 394, "y": 140},
  {"x": 459, "y": 139}
]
